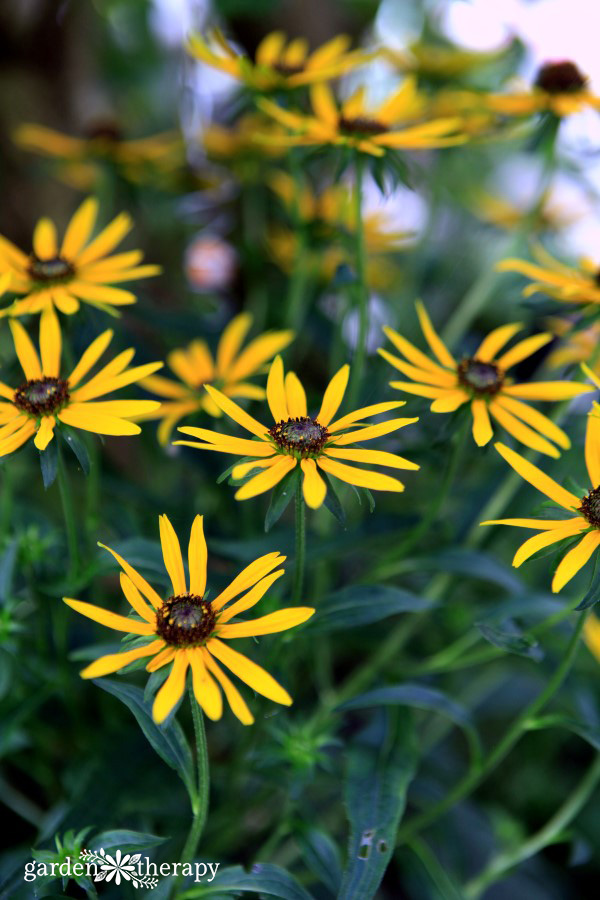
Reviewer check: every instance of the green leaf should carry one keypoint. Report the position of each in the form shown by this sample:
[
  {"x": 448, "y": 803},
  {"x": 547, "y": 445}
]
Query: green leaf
[
  {"x": 381, "y": 764},
  {"x": 49, "y": 464},
  {"x": 469, "y": 563},
  {"x": 281, "y": 496},
  {"x": 513, "y": 640},
  {"x": 265, "y": 879},
  {"x": 126, "y": 840},
  {"x": 76, "y": 445},
  {"x": 8, "y": 561},
  {"x": 593, "y": 595},
  {"x": 332, "y": 501},
  {"x": 362, "y": 604},
  {"x": 321, "y": 855},
  {"x": 589, "y": 733},
  {"x": 168, "y": 741},
  {"x": 419, "y": 696}
]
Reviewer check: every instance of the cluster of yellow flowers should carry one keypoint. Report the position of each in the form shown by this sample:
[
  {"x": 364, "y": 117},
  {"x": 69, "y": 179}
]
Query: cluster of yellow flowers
[{"x": 186, "y": 629}]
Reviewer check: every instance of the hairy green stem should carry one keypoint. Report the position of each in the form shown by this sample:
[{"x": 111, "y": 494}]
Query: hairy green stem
[
  {"x": 300, "y": 557},
  {"x": 66, "y": 499},
  {"x": 200, "y": 800}
]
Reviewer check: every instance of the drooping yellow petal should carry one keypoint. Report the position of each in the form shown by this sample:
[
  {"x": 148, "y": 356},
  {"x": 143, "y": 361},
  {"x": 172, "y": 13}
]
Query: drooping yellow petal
[
  {"x": 413, "y": 355},
  {"x": 257, "y": 353},
  {"x": 84, "y": 416},
  {"x": 171, "y": 552},
  {"x": 575, "y": 560},
  {"x": 482, "y": 428},
  {"x": 197, "y": 557},
  {"x": 249, "y": 672},
  {"x": 547, "y": 390},
  {"x": 323, "y": 104},
  {"x": 248, "y": 577},
  {"x": 276, "y": 391},
  {"x": 371, "y": 457},
  {"x": 79, "y": 228},
  {"x": 45, "y": 246},
  {"x": 314, "y": 488},
  {"x": 161, "y": 659},
  {"x": 438, "y": 377},
  {"x": 45, "y": 432},
  {"x": 537, "y": 524},
  {"x": 267, "y": 479},
  {"x": 295, "y": 396},
  {"x": 333, "y": 396},
  {"x": 546, "y": 538},
  {"x": 522, "y": 432},
  {"x": 172, "y": 690},
  {"x": 433, "y": 339},
  {"x": 450, "y": 401},
  {"x": 538, "y": 479},
  {"x": 26, "y": 352},
  {"x": 206, "y": 691},
  {"x": 495, "y": 340},
  {"x": 269, "y": 49},
  {"x": 110, "y": 619},
  {"x": 535, "y": 419},
  {"x": 139, "y": 581},
  {"x": 106, "y": 665},
  {"x": 50, "y": 343},
  {"x": 135, "y": 599},
  {"x": 273, "y": 622},
  {"x": 234, "y": 698},
  {"x": 108, "y": 238},
  {"x": 372, "y": 431},
  {"x": 18, "y": 438},
  {"x": 359, "y": 477}
]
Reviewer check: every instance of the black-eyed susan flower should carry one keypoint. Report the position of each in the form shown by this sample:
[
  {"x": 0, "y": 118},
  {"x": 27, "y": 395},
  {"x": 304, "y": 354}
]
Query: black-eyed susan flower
[
  {"x": 189, "y": 631},
  {"x": 559, "y": 88},
  {"x": 81, "y": 158},
  {"x": 229, "y": 371},
  {"x": 279, "y": 64},
  {"x": 482, "y": 381},
  {"x": 297, "y": 439},
  {"x": 551, "y": 277},
  {"x": 578, "y": 344},
  {"x": 354, "y": 124},
  {"x": 46, "y": 399},
  {"x": 79, "y": 269},
  {"x": 583, "y": 513}
]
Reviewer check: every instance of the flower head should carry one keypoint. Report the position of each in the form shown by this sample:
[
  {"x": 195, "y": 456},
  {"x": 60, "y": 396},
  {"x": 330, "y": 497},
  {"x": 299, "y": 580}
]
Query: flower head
[
  {"x": 354, "y": 124},
  {"x": 79, "y": 269},
  {"x": 583, "y": 513},
  {"x": 187, "y": 630},
  {"x": 47, "y": 398},
  {"x": 229, "y": 371},
  {"x": 559, "y": 88},
  {"x": 317, "y": 445},
  {"x": 482, "y": 381},
  {"x": 551, "y": 277},
  {"x": 279, "y": 64}
]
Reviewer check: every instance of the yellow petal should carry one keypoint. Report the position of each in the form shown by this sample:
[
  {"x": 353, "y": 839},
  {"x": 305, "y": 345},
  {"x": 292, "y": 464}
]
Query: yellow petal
[
  {"x": 522, "y": 432},
  {"x": 537, "y": 524},
  {"x": 359, "y": 477},
  {"x": 136, "y": 601},
  {"x": 416, "y": 357},
  {"x": 106, "y": 665},
  {"x": 84, "y": 416},
  {"x": 44, "y": 240},
  {"x": 372, "y": 431},
  {"x": 172, "y": 555},
  {"x": 267, "y": 479},
  {"x": 438, "y": 377},
  {"x": 231, "y": 341},
  {"x": 197, "y": 557},
  {"x": 281, "y": 620},
  {"x": 433, "y": 339},
  {"x": 269, "y": 49},
  {"x": 206, "y": 691},
  {"x": 45, "y": 432},
  {"x": 546, "y": 539},
  {"x": 26, "y": 352},
  {"x": 249, "y": 672},
  {"x": 172, "y": 690},
  {"x": 535, "y": 419},
  {"x": 108, "y": 238},
  {"x": 495, "y": 340},
  {"x": 236, "y": 412},
  {"x": 482, "y": 428},
  {"x": 258, "y": 352},
  {"x": 522, "y": 350},
  {"x": 276, "y": 391},
  {"x": 449, "y": 401},
  {"x": 575, "y": 560},
  {"x": 247, "y": 577},
  {"x": 365, "y": 413},
  {"x": 547, "y": 390},
  {"x": 139, "y": 581},
  {"x": 110, "y": 619},
  {"x": 79, "y": 228},
  {"x": 323, "y": 104},
  {"x": 592, "y": 448},
  {"x": 234, "y": 698},
  {"x": 251, "y": 598},
  {"x": 295, "y": 396},
  {"x": 334, "y": 394},
  {"x": 314, "y": 487},
  {"x": 539, "y": 479},
  {"x": 161, "y": 659},
  {"x": 50, "y": 342},
  {"x": 372, "y": 458},
  {"x": 16, "y": 440}
]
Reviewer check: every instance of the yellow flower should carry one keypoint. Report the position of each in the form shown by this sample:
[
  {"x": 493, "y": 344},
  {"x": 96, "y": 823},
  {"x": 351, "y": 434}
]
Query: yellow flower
[
  {"x": 553, "y": 278},
  {"x": 237, "y": 146},
  {"x": 584, "y": 518},
  {"x": 559, "y": 88},
  {"x": 481, "y": 381},
  {"x": 190, "y": 631},
  {"x": 81, "y": 158},
  {"x": 45, "y": 399},
  {"x": 591, "y": 634},
  {"x": 505, "y": 213},
  {"x": 278, "y": 64},
  {"x": 579, "y": 346},
  {"x": 296, "y": 439},
  {"x": 80, "y": 270},
  {"x": 355, "y": 125},
  {"x": 440, "y": 61},
  {"x": 229, "y": 371}
]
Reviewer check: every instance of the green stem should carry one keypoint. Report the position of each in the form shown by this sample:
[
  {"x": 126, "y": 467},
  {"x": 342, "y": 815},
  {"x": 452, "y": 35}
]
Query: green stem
[
  {"x": 295, "y": 305},
  {"x": 506, "y": 861},
  {"x": 360, "y": 288},
  {"x": 474, "y": 777},
  {"x": 6, "y": 499},
  {"x": 66, "y": 499},
  {"x": 200, "y": 801},
  {"x": 300, "y": 558}
]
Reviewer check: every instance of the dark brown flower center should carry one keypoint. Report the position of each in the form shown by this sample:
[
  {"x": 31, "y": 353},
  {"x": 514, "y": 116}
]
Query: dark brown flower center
[
  {"x": 186, "y": 620},
  {"x": 104, "y": 131},
  {"x": 42, "y": 396},
  {"x": 590, "y": 507},
  {"x": 52, "y": 270},
  {"x": 480, "y": 377},
  {"x": 287, "y": 68},
  {"x": 360, "y": 125},
  {"x": 301, "y": 437},
  {"x": 560, "y": 78}
]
